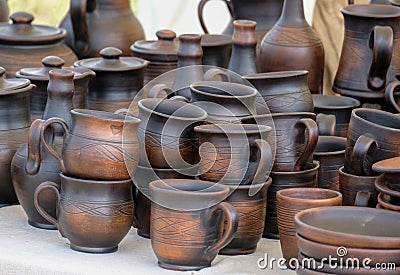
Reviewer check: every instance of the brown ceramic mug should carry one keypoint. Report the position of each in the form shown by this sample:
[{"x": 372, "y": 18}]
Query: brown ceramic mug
[
  {"x": 186, "y": 227},
  {"x": 93, "y": 215},
  {"x": 289, "y": 203},
  {"x": 228, "y": 153}
]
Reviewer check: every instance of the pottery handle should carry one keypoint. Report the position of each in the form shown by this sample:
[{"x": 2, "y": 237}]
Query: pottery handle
[
  {"x": 312, "y": 141},
  {"x": 232, "y": 221},
  {"x": 32, "y": 165},
  {"x": 266, "y": 160},
  {"x": 50, "y": 148},
  {"x": 362, "y": 198},
  {"x": 160, "y": 91},
  {"x": 359, "y": 154},
  {"x": 42, "y": 212},
  {"x": 214, "y": 72},
  {"x": 78, "y": 9},
  {"x": 200, "y": 9},
  {"x": 326, "y": 124},
  {"x": 381, "y": 43},
  {"x": 390, "y": 91}
]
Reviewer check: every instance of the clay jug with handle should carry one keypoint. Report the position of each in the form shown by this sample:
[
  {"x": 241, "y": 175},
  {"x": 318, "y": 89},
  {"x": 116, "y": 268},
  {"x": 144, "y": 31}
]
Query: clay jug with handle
[{"x": 95, "y": 24}]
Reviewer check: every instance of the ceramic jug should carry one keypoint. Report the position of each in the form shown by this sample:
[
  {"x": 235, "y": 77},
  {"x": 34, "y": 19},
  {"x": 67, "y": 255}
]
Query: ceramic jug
[
  {"x": 264, "y": 12},
  {"x": 95, "y": 24},
  {"x": 369, "y": 59}
]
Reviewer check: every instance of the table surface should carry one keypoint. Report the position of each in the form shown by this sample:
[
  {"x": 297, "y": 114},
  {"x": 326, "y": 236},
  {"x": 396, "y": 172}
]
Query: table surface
[{"x": 28, "y": 250}]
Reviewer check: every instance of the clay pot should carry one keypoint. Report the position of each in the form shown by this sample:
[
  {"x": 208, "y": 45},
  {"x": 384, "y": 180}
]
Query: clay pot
[
  {"x": 290, "y": 202},
  {"x": 32, "y": 165},
  {"x": 217, "y": 49},
  {"x": 15, "y": 121},
  {"x": 282, "y": 91},
  {"x": 95, "y": 24},
  {"x": 348, "y": 226},
  {"x": 196, "y": 210},
  {"x": 23, "y": 45},
  {"x": 372, "y": 137},
  {"x": 40, "y": 77},
  {"x": 338, "y": 106},
  {"x": 285, "y": 180},
  {"x": 251, "y": 211},
  {"x": 162, "y": 54},
  {"x": 167, "y": 132},
  {"x": 92, "y": 147},
  {"x": 330, "y": 154},
  {"x": 234, "y": 153},
  {"x": 118, "y": 79},
  {"x": 364, "y": 73},
  {"x": 93, "y": 215},
  {"x": 293, "y": 45}
]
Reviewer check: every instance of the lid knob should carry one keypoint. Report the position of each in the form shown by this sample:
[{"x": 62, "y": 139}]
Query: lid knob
[
  {"x": 111, "y": 53},
  {"x": 166, "y": 35},
  {"x": 53, "y": 61},
  {"x": 21, "y": 17}
]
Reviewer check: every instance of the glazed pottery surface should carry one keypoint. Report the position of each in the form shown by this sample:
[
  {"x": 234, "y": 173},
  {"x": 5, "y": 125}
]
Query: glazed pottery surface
[
  {"x": 94, "y": 24},
  {"x": 196, "y": 210},
  {"x": 93, "y": 215}
]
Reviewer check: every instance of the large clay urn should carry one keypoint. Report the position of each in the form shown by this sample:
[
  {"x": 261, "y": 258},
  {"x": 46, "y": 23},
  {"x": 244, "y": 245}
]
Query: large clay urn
[{"x": 95, "y": 24}]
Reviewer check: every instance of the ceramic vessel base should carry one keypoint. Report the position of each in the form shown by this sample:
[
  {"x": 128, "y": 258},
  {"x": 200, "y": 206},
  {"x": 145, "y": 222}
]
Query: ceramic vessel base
[
  {"x": 42, "y": 225},
  {"x": 94, "y": 249}
]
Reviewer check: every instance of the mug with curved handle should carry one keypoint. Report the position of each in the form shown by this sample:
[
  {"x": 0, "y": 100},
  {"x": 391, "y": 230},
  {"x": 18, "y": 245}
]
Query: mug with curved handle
[
  {"x": 312, "y": 141},
  {"x": 200, "y": 12},
  {"x": 362, "y": 198},
  {"x": 391, "y": 91},
  {"x": 359, "y": 154},
  {"x": 326, "y": 124},
  {"x": 265, "y": 162}
]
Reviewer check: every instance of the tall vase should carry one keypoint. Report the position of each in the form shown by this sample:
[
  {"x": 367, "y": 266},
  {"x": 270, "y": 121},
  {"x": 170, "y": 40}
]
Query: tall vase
[{"x": 293, "y": 45}]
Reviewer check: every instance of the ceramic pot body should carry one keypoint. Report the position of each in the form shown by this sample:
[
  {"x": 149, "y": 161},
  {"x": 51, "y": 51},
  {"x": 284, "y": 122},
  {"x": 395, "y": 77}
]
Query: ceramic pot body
[
  {"x": 339, "y": 106},
  {"x": 293, "y": 45},
  {"x": 372, "y": 137},
  {"x": 190, "y": 247},
  {"x": 330, "y": 154},
  {"x": 4, "y": 11},
  {"x": 373, "y": 30},
  {"x": 251, "y": 211},
  {"x": 290, "y": 202},
  {"x": 282, "y": 91},
  {"x": 217, "y": 49},
  {"x": 94, "y": 24},
  {"x": 93, "y": 148},
  {"x": 105, "y": 220},
  {"x": 32, "y": 165},
  {"x": 285, "y": 180}
]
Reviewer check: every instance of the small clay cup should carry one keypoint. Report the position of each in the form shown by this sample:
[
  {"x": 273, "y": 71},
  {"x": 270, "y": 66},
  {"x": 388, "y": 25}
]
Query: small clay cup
[
  {"x": 330, "y": 154},
  {"x": 290, "y": 202},
  {"x": 187, "y": 225},
  {"x": 251, "y": 210},
  {"x": 93, "y": 215}
]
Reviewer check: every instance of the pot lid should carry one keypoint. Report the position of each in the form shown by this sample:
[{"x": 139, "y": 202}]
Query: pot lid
[
  {"x": 391, "y": 165},
  {"x": 50, "y": 63},
  {"x": 22, "y": 32},
  {"x": 12, "y": 83},
  {"x": 112, "y": 61},
  {"x": 163, "y": 49}
]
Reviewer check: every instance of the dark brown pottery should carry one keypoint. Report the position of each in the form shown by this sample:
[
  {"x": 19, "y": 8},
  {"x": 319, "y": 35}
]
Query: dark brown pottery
[
  {"x": 373, "y": 136},
  {"x": 367, "y": 64},
  {"x": 330, "y": 154},
  {"x": 282, "y": 91},
  {"x": 290, "y": 202},
  {"x": 251, "y": 210},
  {"x": 392, "y": 95},
  {"x": 382, "y": 185},
  {"x": 234, "y": 153},
  {"x": 284, "y": 180},
  {"x": 264, "y": 12},
  {"x": 40, "y": 77},
  {"x": 338, "y": 106},
  {"x": 244, "y": 53},
  {"x": 217, "y": 49},
  {"x": 23, "y": 45},
  {"x": 4, "y": 11},
  {"x": 195, "y": 210},
  {"x": 351, "y": 185},
  {"x": 349, "y": 226},
  {"x": 293, "y": 45},
  {"x": 95, "y": 24},
  {"x": 15, "y": 121},
  {"x": 391, "y": 168},
  {"x": 118, "y": 79},
  {"x": 385, "y": 201},
  {"x": 93, "y": 147},
  {"x": 166, "y": 131},
  {"x": 162, "y": 54},
  {"x": 93, "y": 215},
  {"x": 32, "y": 165}
]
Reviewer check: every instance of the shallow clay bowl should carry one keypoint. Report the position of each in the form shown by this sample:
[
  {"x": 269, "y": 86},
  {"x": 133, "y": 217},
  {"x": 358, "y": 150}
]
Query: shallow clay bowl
[
  {"x": 318, "y": 251},
  {"x": 382, "y": 185},
  {"x": 391, "y": 169},
  {"x": 385, "y": 202},
  {"x": 349, "y": 226}
]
